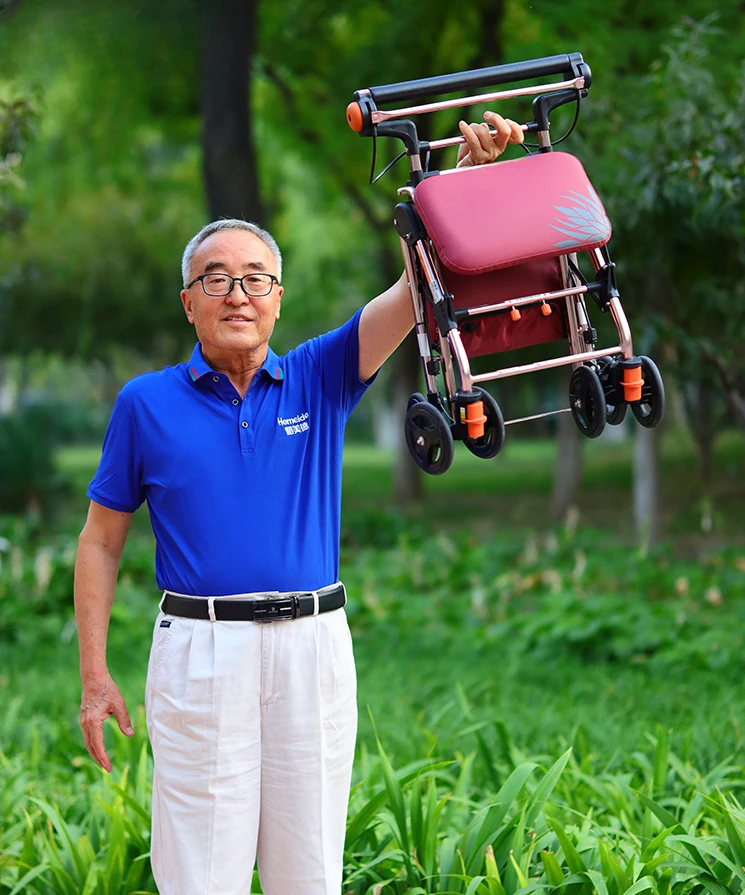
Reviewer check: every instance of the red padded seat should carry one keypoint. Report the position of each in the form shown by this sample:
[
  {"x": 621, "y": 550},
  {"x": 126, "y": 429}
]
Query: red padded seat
[{"x": 494, "y": 216}]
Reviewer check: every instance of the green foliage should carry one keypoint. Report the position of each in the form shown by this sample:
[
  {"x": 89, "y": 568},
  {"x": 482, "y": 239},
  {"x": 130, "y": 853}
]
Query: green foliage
[
  {"x": 112, "y": 179},
  {"x": 92, "y": 839},
  {"x": 35, "y": 584},
  {"x": 559, "y": 593},
  {"x": 469, "y": 789},
  {"x": 29, "y": 482},
  {"x": 541, "y": 822},
  {"x": 113, "y": 176},
  {"x": 682, "y": 215},
  {"x": 17, "y": 124}
]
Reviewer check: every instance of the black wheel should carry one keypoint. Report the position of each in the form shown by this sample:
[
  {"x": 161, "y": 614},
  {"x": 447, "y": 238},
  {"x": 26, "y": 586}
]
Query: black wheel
[
  {"x": 416, "y": 398},
  {"x": 490, "y": 443},
  {"x": 610, "y": 379},
  {"x": 587, "y": 401},
  {"x": 616, "y": 413},
  {"x": 650, "y": 410},
  {"x": 429, "y": 438}
]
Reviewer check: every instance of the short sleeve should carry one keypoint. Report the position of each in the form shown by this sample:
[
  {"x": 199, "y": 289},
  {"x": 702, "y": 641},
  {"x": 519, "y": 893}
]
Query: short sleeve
[
  {"x": 117, "y": 483},
  {"x": 337, "y": 357}
]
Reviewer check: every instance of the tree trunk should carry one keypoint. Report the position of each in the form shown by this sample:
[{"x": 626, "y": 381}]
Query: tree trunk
[
  {"x": 568, "y": 467},
  {"x": 229, "y": 157},
  {"x": 733, "y": 392},
  {"x": 647, "y": 486},
  {"x": 8, "y": 389},
  {"x": 699, "y": 402},
  {"x": 408, "y": 482}
]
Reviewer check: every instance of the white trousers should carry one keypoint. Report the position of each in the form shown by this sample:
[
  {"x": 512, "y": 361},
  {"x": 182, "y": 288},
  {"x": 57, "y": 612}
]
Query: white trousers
[{"x": 252, "y": 727}]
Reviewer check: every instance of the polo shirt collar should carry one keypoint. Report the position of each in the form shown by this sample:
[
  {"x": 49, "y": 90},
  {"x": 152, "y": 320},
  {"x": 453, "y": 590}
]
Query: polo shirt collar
[
  {"x": 272, "y": 366},
  {"x": 197, "y": 366}
]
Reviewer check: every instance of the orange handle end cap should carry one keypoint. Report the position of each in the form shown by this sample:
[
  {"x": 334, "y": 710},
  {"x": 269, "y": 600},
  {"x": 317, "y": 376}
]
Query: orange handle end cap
[{"x": 354, "y": 117}]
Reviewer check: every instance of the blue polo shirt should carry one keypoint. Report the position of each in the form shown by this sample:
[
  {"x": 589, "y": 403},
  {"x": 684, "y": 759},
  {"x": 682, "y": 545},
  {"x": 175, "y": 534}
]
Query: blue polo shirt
[{"x": 244, "y": 494}]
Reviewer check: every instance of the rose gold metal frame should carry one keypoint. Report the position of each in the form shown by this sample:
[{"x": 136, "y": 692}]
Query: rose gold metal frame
[
  {"x": 577, "y": 322},
  {"x": 456, "y": 369},
  {"x": 454, "y": 141},
  {"x": 378, "y": 115}
]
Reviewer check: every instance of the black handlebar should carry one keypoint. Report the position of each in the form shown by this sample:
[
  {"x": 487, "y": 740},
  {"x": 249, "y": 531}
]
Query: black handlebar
[{"x": 571, "y": 65}]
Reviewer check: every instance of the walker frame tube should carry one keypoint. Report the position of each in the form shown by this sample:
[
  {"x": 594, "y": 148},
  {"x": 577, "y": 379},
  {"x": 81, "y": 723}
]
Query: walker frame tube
[
  {"x": 452, "y": 352},
  {"x": 378, "y": 115},
  {"x": 420, "y": 324}
]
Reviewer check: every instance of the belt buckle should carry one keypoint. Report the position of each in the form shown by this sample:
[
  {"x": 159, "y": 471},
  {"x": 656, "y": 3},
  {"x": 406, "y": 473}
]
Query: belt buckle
[{"x": 276, "y": 610}]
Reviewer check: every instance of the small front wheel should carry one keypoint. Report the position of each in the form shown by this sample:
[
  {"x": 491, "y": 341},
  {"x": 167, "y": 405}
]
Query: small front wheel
[
  {"x": 587, "y": 401},
  {"x": 416, "y": 398},
  {"x": 428, "y": 438},
  {"x": 651, "y": 408},
  {"x": 610, "y": 379},
  {"x": 490, "y": 443}
]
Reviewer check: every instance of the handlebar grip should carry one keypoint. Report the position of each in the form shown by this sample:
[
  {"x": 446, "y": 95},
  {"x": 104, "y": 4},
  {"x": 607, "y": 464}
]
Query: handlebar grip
[{"x": 567, "y": 64}]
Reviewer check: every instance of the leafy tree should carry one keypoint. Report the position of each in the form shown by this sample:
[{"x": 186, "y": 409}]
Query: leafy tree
[
  {"x": 112, "y": 178},
  {"x": 18, "y": 118},
  {"x": 17, "y": 123},
  {"x": 682, "y": 206}
]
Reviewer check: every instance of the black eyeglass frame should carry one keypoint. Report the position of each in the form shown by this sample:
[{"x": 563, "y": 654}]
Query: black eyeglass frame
[{"x": 240, "y": 280}]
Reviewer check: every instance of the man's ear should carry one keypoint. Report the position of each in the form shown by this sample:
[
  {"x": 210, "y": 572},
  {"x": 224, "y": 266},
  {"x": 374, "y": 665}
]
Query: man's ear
[
  {"x": 280, "y": 292},
  {"x": 186, "y": 302}
]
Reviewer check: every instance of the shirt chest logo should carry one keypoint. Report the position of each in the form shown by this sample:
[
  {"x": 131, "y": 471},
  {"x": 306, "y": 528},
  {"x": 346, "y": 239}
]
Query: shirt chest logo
[{"x": 294, "y": 425}]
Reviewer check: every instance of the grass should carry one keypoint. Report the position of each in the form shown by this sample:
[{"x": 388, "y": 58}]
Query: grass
[
  {"x": 489, "y": 643},
  {"x": 514, "y": 489},
  {"x": 409, "y": 671}
]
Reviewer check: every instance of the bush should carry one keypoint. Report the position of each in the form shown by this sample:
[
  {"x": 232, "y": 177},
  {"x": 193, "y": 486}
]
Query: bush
[{"x": 29, "y": 480}]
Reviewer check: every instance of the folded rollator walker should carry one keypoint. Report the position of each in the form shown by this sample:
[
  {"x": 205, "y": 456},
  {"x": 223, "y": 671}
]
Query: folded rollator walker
[{"x": 484, "y": 282}]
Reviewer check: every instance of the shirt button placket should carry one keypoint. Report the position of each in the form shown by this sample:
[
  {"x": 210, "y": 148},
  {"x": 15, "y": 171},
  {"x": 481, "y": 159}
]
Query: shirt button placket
[{"x": 246, "y": 433}]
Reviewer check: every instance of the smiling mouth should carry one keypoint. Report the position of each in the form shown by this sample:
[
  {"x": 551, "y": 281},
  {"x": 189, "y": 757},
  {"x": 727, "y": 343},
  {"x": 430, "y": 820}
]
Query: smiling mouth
[{"x": 237, "y": 320}]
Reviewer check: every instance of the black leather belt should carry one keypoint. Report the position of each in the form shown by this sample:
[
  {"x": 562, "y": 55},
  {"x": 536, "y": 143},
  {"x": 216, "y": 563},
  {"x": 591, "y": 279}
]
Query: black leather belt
[{"x": 286, "y": 606}]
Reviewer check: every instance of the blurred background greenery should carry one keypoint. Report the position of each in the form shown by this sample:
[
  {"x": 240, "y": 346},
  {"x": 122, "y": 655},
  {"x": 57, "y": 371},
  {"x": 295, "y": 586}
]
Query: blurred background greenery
[{"x": 563, "y": 594}]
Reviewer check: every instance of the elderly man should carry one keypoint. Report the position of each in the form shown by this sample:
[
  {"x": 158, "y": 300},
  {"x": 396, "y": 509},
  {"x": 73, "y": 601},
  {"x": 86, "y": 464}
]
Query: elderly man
[{"x": 238, "y": 455}]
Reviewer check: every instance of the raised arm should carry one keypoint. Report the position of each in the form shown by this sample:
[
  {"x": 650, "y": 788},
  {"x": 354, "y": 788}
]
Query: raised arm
[
  {"x": 387, "y": 319},
  {"x": 100, "y": 549}
]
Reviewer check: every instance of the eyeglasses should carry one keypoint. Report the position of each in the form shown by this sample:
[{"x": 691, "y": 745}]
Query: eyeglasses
[{"x": 255, "y": 284}]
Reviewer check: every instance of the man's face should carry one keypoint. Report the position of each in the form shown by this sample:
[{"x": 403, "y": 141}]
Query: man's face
[{"x": 236, "y": 322}]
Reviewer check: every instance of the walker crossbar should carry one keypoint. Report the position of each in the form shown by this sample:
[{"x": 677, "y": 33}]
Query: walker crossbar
[{"x": 571, "y": 65}]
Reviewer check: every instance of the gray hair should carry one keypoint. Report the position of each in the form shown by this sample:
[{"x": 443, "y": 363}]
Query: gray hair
[{"x": 229, "y": 224}]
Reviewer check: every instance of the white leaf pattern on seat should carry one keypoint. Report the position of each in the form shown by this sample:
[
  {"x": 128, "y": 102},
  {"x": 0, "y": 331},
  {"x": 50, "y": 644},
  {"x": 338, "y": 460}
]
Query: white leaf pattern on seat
[{"x": 584, "y": 220}]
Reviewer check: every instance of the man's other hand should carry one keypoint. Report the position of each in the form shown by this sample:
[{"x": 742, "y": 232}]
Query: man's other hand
[
  {"x": 481, "y": 147},
  {"x": 100, "y": 699}
]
